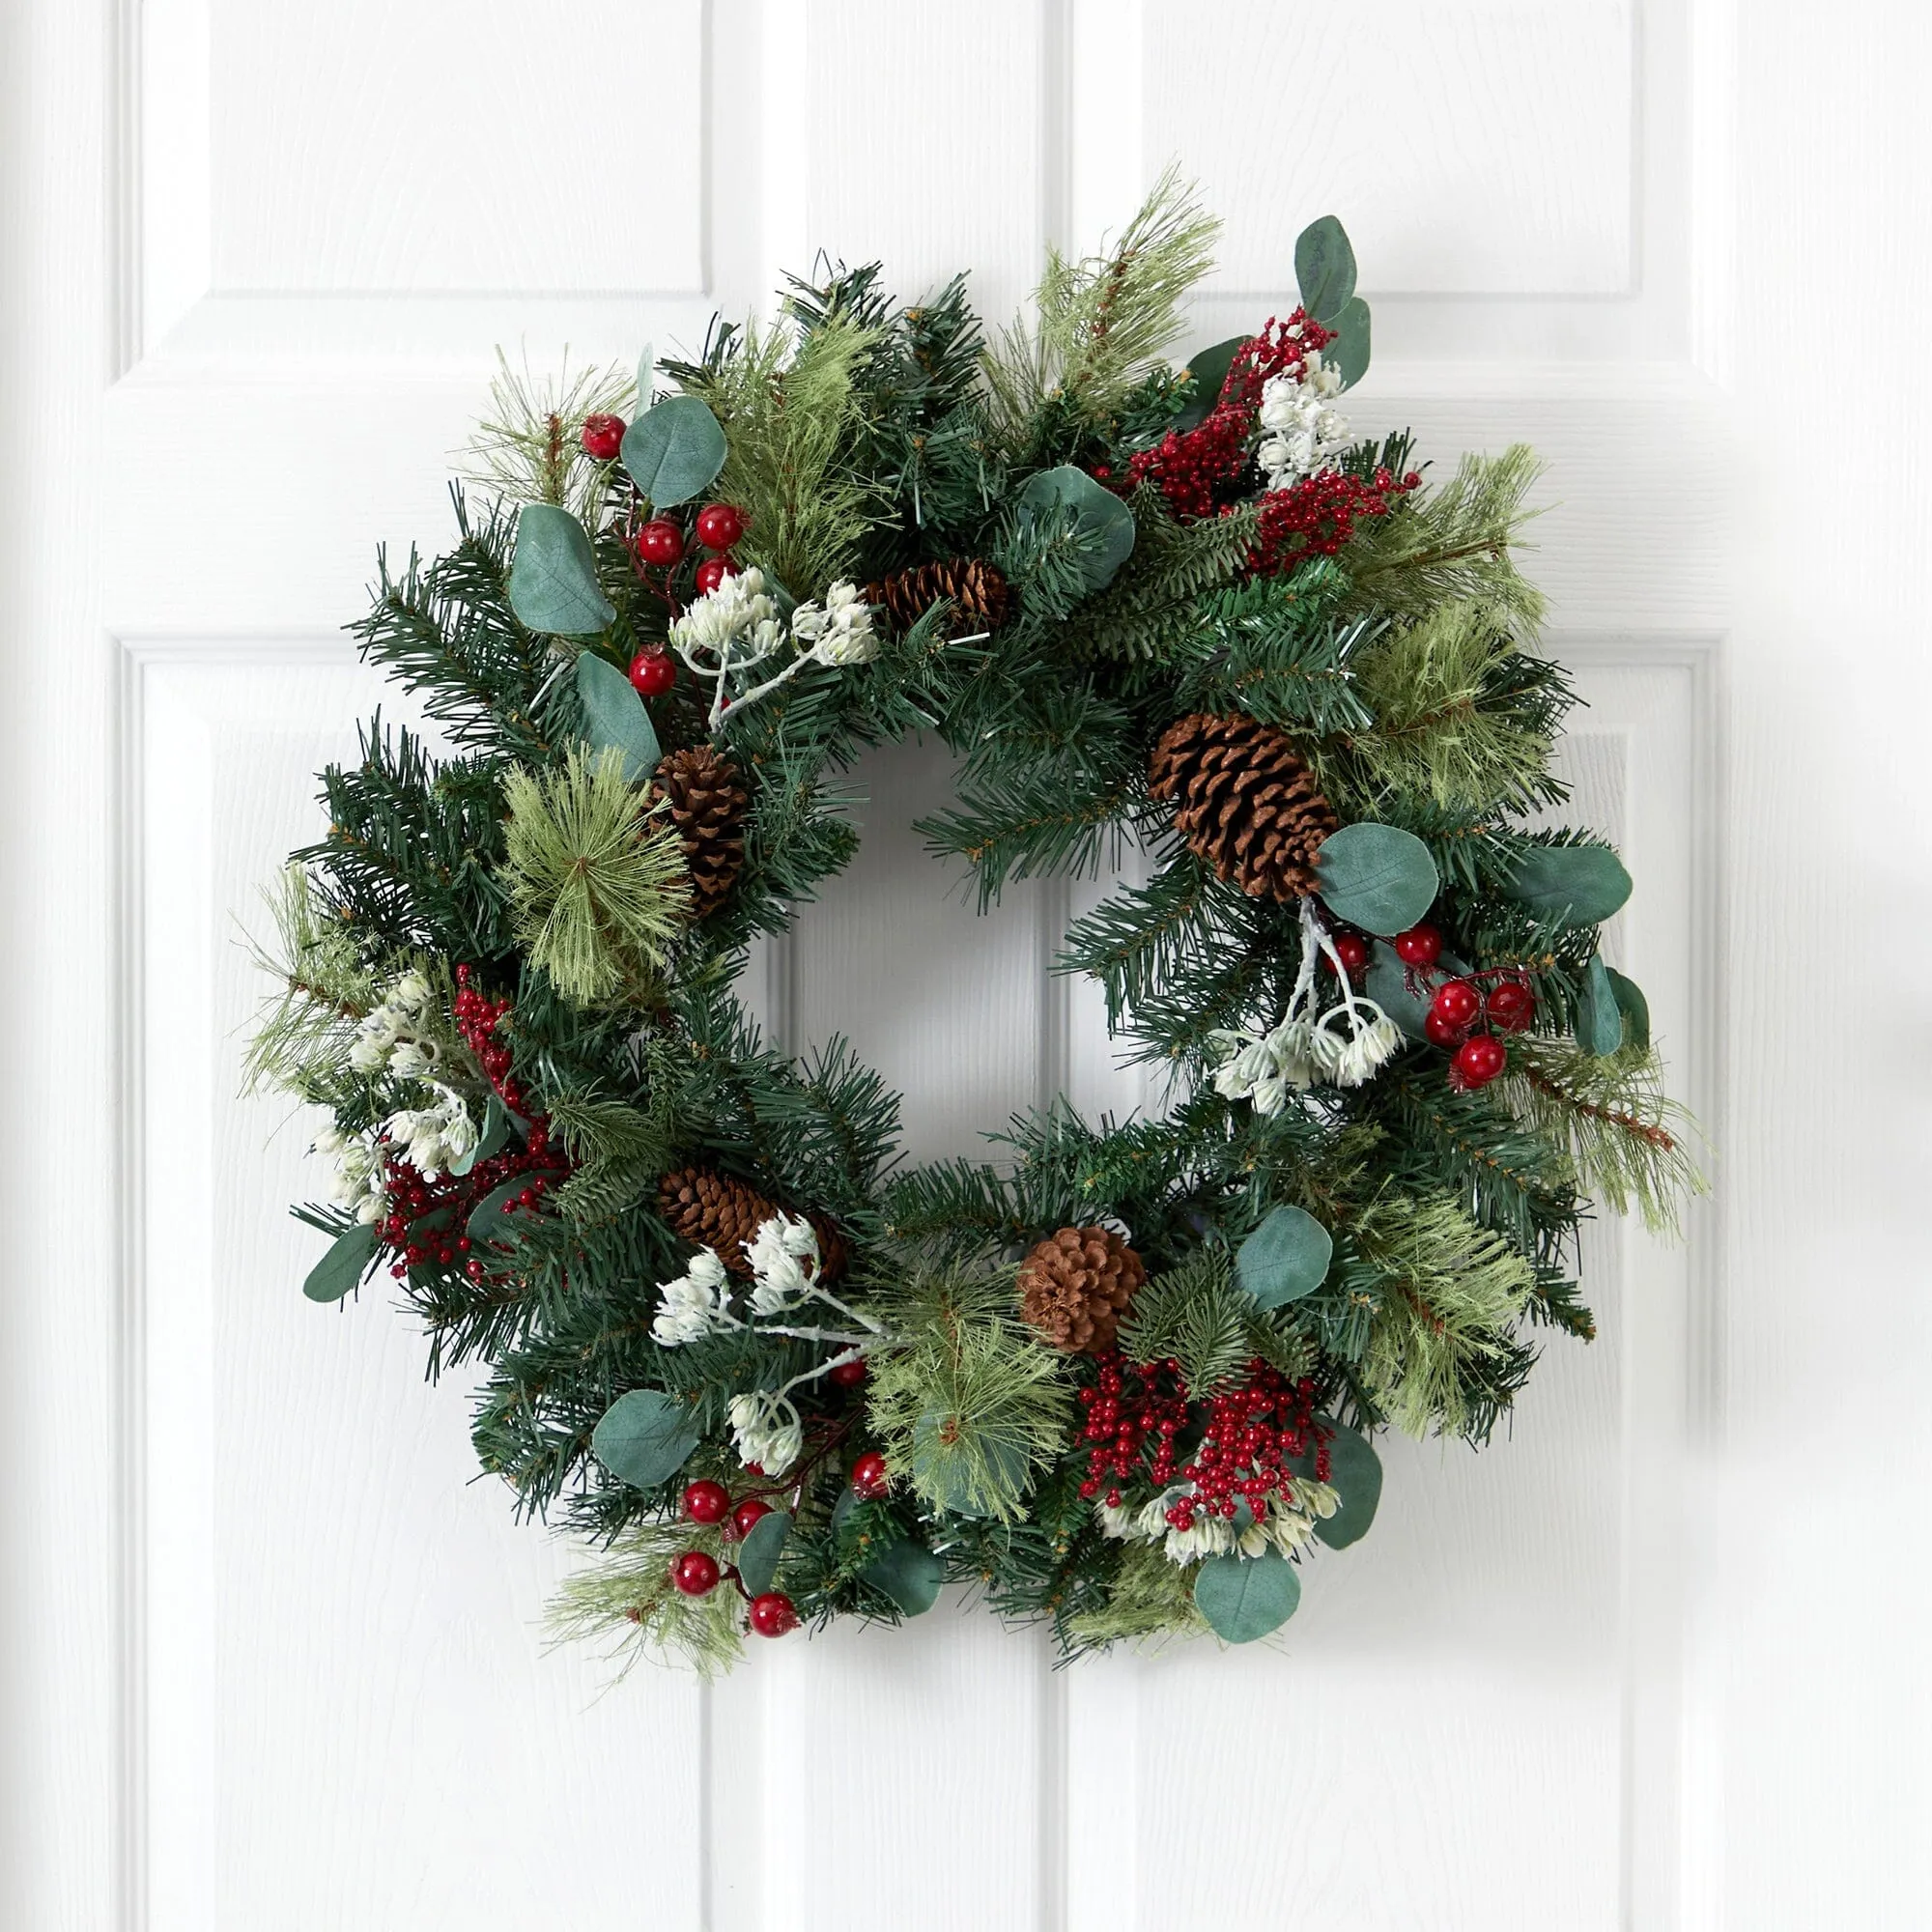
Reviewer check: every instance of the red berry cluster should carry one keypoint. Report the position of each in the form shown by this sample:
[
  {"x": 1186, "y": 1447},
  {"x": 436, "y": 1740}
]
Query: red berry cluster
[
  {"x": 697, "y": 1573},
  {"x": 1249, "y": 1432},
  {"x": 426, "y": 1218},
  {"x": 1316, "y": 516},
  {"x": 661, "y": 545},
  {"x": 478, "y": 1017},
  {"x": 1192, "y": 469},
  {"x": 1468, "y": 1012}
]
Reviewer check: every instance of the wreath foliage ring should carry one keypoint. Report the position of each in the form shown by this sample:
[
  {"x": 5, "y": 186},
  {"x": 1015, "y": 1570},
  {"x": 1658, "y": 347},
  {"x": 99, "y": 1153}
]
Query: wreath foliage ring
[{"x": 1124, "y": 1377}]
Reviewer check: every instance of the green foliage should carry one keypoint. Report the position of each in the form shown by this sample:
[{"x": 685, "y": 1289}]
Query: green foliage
[
  {"x": 597, "y": 887},
  {"x": 529, "y": 449},
  {"x": 969, "y": 1405},
  {"x": 1149, "y": 1600},
  {"x": 628, "y": 1597},
  {"x": 617, "y": 1153},
  {"x": 1275, "y": 648},
  {"x": 303, "y": 1036}
]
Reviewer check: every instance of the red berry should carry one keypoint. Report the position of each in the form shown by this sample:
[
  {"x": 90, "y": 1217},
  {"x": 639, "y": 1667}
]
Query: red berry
[
  {"x": 1510, "y": 1007},
  {"x": 1456, "y": 1001},
  {"x": 720, "y": 526},
  {"x": 695, "y": 1573},
  {"x": 748, "y": 1514},
  {"x": 1352, "y": 949},
  {"x": 848, "y": 1375},
  {"x": 712, "y": 572},
  {"x": 603, "y": 436},
  {"x": 773, "y": 1615},
  {"x": 660, "y": 542},
  {"x": 1419, "y": 945},
  {"x": 653, "y": 673},
  {"x": 868, "y": 1475},
  {"x": 706, "y": 1501},
  {"x": 1478, "y": 1061},
  {"x": 1444, "y": 1032}
]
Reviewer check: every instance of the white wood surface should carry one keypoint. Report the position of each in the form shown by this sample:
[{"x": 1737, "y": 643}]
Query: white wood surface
[{"x": 270, "y": 1658}]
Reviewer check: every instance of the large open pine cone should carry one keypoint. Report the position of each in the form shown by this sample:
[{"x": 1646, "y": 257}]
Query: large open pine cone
[
  {"x": 975, "y": 590},
  {"x": 722, "y": 1212},
  {"x": 707, "y": 806},
  {"x": 1244, "y": 802},
  {"x": 1074, "y": 1286}
]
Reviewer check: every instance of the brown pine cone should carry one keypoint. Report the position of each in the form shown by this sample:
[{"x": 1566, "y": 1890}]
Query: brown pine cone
[
  {"x": 1244, "y": 802},
  {"x": 1074, "y": 1286},
  {"x": 975, "y": 590},
  {"x": 722, "y": 1212},
  {"x": 707, "y": 806}
]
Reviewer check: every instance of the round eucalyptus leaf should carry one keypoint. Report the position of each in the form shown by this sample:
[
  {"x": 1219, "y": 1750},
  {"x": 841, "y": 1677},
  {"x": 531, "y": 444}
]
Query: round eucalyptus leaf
[
  {"x": 1579, "y": 884},
  {"x": 495, "y": 1130},
  {"x": 759, "y": 1553},
  {"x": 1104, "y": 521},
  {"x": 1375, "y": 876},
  {"x": 1324, "y": 267},
  {"x": 1599, "y": 1020},
  {"x": 648, "y": 368},
  {"x": 554, "y": 584},
  {"x": 1634, "y": 1006},
  {"x": 490, "y": 1218},
  {"x": 348, "y": 1258},
  {"x": 1355, "y": 1475},
  {"x": 1244, "y": 1598},
  {"x": 909, "y": 1574},
  {"x": 614, "y": 714},
  {"x": 1209, "y": 369},
  {"x": 1285, "y": 1258},
  {"x": 643, "y": 1438},
  {"x": 673, "y": 450},
  {"x": 1349, "y": 351}
]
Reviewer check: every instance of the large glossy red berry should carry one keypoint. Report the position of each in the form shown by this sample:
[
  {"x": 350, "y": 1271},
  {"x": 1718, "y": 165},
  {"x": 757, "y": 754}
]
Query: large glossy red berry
[
  {"x": 1457, "y": 1003},
  {"x": 695, "y": 1573},
  {"x": 1510, "y": 1006},
  {"x": 659, "y": 544},
  {"x": 848, "y": 1375},
  {"x": 1444, "y": 1032},
  {"x": 720, "y": 526},
  {"x": 653, "y": 673},
  {"x": 1419, "y": 945},
  {"x": 773, "y": 1614},
  {"x": 1352, "y": 949},
  {"x": 712, "y": 572},
  {"x": 748, "y": 1514},
  {"x": 603, "y": 436},
  {"x": 868, "y": 1475},
  {"x": 706, "y": 1501},
  {"x": 1479, "y": 1059}
]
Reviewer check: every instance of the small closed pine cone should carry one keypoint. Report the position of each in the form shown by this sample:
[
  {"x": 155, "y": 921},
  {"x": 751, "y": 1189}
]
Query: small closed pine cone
[
  {"x": 707, "y": 806},
  {"x": 977, "y": 592},
  {"x": 1244, "y": 802},
  {"x": 1074, "y": 1286},
  {"x": 722, "y": 1212}
]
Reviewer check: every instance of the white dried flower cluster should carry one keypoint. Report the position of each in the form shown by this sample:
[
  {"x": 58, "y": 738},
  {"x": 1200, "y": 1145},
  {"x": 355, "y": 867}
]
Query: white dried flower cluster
[
  {"x": 784, "y": 1263},
  {"x": 839, "y": 632},
  {"x": 1285, "y": 1525},
  {"x": 735, "y": 619},
  {"x": 1301, "y": 430},
  {"x": 437, "y": 1139},
  {"x": 766, "y": 1429},
  {"x": 357, "y": 1181},
  {"x": 1347, "y": 1047},
  {"x": 391, "y": 1036},
  {"x": 694, "y": 1303}
]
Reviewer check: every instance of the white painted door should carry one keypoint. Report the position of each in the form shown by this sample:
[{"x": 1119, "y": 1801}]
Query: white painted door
[{"x": 270, "y": 1659}]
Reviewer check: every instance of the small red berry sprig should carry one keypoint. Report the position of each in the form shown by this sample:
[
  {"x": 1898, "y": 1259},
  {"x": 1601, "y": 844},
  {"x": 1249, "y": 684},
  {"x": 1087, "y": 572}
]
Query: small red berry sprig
[
  {"x": 660, "y": 545},
  {"x": 1468, "y": 1011}
]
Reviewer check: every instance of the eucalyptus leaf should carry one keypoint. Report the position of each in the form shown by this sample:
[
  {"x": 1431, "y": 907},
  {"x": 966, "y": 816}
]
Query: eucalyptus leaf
[
  {"x": 1245, "y": 1598},
  {"x": 1599, "y": 1020},
  {"x": 1375, "y": 876},
  {"x": 1355, "y": 1475},
  {"x": 1634, "y": 1006},
  {"x": 1579, "y": 884},
  {"x": 673, "y": 450},
  {"x": 495, "y": 1130},
  {"x": 759, "y": 1553},
  {"x": 554, "y": 584},
  {"x": 489, "y": 1220},
  {"x": 647, "y": 367},
  {"x": 614, "y": 714},
  {"x": 1324, "y": 267},
  {"x": 1210, "y": 370},
  {"x": 1101, "y": 516},
  {"x": 1349, "y": 351},
  {"x": 1285, "y": 1258},
  {"x": 909, "y": 1574},
  {"x": 645, "y": 1438},
  {"x": 348, "y": 1258}
]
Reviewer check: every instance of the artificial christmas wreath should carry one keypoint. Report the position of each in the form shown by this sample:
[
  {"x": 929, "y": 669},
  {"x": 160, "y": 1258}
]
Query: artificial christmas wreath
[{"x": 1124, "y": 1377}]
